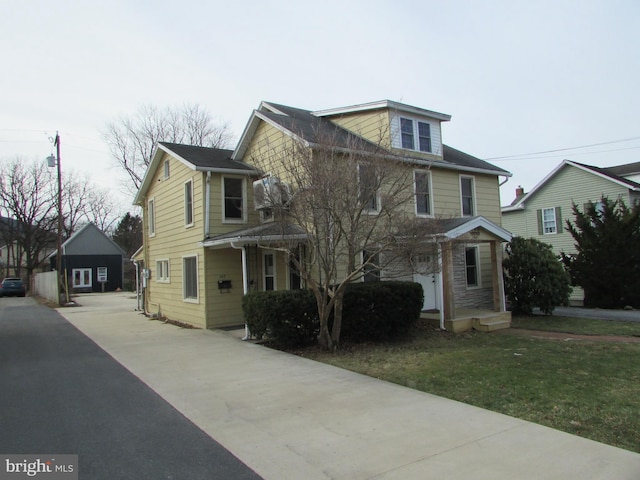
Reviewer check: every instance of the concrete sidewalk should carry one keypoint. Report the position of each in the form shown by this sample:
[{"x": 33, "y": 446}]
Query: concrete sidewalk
[{"x": 290, "y": 418}]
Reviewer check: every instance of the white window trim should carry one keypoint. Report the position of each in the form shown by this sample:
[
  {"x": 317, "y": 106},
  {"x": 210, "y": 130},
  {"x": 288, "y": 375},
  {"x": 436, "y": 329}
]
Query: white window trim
[
  {"x": 555, "y": 221},
  {"x": 165, "y": 270},
  {"x": 476, "y": 249},
  {"x": 167, "y": 169},
  {"x": 264, "y": 270},
  {"x": 416, "y": 133},
  {"x": 378, "y": 208},
  {"x": 193, "y": 210},
  {"x": 244, "y": 200},
  {"x": 473, "y": 196},
  {"x": 415, "y": 193},
  {"x": 184, "y": 293},
  {"x": 151, "y": 221}
]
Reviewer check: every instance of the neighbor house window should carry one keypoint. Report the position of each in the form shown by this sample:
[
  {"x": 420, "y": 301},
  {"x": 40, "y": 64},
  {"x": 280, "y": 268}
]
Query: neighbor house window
[
  {"x": 422, "y": 188},
  {"x": 233, "y": 192},
  {"x": 151, "y": 211},
  {"x": 467, "y": 195},
  {"x": 188, "y": 203},
  {"x": 162, "y": 271},
  {"x": 190, "y": 278},
  {"x": 471, "y": 264},
  {"x": 549, "y": 221},
  {"x": 371, "y": 267},
  {"x": 368, "y": 188},
  {"x": 166, "y": 169}
]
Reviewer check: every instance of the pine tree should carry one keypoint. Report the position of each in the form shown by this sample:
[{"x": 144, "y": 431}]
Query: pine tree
[{"x": 607, "y": 262}]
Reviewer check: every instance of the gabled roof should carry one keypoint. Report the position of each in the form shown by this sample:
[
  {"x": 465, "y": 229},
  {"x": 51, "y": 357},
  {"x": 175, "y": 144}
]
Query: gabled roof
[
  {"x": 455, "y": 227},
  {"x": 600, "y": 172},
  {"x": 315, "y": 127},
  {"x": 383, "y": 104},
  {"x": 203, "y": 159},
  {"x": 92, "y": 233}
]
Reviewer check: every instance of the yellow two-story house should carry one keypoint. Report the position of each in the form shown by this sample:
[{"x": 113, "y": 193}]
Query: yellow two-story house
[{"x": 208, "y": 241}]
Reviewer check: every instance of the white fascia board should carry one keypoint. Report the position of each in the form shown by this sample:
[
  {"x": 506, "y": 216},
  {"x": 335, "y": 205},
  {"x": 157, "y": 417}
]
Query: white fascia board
[
  {"x": 383, "y": 104},
  {"x": 226, "y": 242},
  {"x": 453, "y": 166},
  {"x": 483, "y": 223},
  {"x": 250, "y": 129}
]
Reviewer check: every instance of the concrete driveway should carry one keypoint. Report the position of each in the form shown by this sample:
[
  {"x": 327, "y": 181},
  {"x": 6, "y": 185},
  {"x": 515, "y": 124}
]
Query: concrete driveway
[{"x": 289, "y": 418}]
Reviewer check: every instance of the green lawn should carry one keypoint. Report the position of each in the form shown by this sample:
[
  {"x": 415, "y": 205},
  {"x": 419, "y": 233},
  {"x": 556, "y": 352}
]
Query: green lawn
[
  {"x": 587, "y": 388},
  {"x": 583, "y": 326}
]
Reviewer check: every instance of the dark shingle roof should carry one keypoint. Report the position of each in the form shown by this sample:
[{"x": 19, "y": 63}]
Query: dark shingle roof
[
  {"x": 206, "y": 157},
  {"x": 622, "y": 170},
  {"x": 608, "y": 173},
  {"x": 318, "y": 130}
]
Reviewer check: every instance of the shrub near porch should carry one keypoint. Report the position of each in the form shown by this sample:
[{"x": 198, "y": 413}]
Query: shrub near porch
[{"x": 377, "y": 311}]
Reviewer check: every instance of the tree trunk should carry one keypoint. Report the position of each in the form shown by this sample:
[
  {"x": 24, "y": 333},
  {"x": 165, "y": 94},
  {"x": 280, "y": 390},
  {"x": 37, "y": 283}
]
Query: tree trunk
[{"x": 337, "y": 320}]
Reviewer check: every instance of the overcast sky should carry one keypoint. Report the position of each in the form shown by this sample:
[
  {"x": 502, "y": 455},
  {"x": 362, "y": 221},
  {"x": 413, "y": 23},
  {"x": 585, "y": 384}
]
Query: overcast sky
[{"x": 517, "y": 77}]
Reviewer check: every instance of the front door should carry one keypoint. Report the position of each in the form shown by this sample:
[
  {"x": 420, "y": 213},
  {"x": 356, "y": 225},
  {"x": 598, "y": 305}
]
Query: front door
[{"x": 427, "y": 276}]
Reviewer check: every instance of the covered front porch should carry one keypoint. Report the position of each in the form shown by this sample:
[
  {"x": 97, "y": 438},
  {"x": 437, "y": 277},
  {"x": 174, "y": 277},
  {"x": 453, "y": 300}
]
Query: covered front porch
[{"x": 465, "y": 297}]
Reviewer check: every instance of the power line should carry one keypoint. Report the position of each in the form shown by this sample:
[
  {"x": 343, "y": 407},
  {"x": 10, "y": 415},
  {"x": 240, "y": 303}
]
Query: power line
[
  {"x": 513, "y": 159},
  {"x": 565, "y": 149}
]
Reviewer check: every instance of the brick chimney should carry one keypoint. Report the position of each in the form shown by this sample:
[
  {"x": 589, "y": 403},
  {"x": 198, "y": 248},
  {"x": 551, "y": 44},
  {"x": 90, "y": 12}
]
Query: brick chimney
[{"x": 519, "y": 192}]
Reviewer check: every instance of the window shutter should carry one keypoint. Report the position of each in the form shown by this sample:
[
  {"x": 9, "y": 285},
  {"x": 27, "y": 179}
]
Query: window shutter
[
  {"x": 559, "y": 220},
  {"x": 540, "y": 228}
]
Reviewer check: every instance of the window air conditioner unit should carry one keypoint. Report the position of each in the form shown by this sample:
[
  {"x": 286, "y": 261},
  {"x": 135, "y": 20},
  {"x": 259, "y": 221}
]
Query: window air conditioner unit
[{"x": 269, "y": 192}]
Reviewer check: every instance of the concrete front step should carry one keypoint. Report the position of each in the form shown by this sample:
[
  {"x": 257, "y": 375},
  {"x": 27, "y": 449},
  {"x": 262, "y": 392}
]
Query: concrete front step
[{"x": 490, "y": 325}]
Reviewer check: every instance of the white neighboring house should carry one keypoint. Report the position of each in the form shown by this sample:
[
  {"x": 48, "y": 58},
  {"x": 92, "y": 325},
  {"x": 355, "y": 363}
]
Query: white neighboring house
[{"x": 542, "y": 213}]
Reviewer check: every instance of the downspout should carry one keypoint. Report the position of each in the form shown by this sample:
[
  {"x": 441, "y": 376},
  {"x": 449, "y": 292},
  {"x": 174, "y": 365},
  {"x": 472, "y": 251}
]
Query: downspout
[
  {"x": 207, "y": 205},
  {"x": 245, "y": 283},
  {"x": 441, "y": 287},
  {"x": 506, "y": 179}
]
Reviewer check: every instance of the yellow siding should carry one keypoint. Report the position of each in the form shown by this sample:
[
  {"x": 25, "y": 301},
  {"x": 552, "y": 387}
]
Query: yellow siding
[
  {"x": 173, "y": 240},
  {"x": 224, "y": 307},
  {"x": 374, "y": 126}
]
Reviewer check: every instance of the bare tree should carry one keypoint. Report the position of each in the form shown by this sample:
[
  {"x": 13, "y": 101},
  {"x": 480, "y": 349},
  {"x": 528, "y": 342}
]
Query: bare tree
[
  {"x": 354, "y": 201},
  {"x": 132, "y": 139},
  {"x": 28, "y": 198}
]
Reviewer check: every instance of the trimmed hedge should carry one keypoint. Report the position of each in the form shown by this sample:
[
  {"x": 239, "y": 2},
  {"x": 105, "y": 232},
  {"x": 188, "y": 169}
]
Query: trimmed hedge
[
  {"x": 289, "y": 318},
  {"x": 380, "y": 311},
  {"x": 375, "y": 311}
]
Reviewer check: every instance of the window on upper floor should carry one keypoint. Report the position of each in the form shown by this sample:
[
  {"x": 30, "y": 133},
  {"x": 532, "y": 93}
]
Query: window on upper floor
[
  {"x": 467, "y": 196},
  {"x": 368, "y": 185},
  {"x": 412, "y": 129},
  {"x": 549, "y": 221},
  {"x": 188, "y": 203},
  {"x": 233, "y": 193},
  {"x": 422, "y": 189},
  {"x": 151, "y": 213},
  {"x": 166, "y": 169}
]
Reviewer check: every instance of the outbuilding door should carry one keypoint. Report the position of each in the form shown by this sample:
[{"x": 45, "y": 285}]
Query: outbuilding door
[{"x": 81, "y": 278}]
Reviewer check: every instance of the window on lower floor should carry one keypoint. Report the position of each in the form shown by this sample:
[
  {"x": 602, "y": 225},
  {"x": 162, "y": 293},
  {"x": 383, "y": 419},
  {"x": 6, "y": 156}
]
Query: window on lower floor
[
  {"x": 471, "y": 264},
  {"x": 82, "y": 277},
  {"x": 269, "y": 271},
  {"x": 371, "y": 267},
  {"x": 549, "y": 221},
  {"x": 162, "y": 271},
  {"x": 190, "y": 277}
]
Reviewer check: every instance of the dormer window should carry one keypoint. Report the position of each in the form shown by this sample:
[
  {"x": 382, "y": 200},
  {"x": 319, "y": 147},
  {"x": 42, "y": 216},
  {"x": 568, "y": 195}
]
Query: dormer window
[{"x": 412, "y": 129}]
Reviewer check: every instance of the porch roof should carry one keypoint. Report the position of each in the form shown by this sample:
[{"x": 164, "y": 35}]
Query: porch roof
[
  {"x": 452, "y": 228},
  {"x": 263, "y": 234}
]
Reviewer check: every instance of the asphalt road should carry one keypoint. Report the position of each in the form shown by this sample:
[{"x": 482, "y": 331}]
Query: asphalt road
[{"x": 61, "y": 394}]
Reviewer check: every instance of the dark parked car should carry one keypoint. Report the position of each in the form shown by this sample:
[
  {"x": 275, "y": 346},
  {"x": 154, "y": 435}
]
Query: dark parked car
[{"x": 12, "y": 287}]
